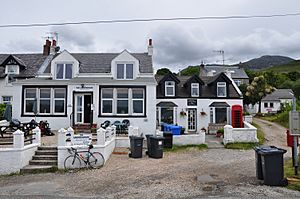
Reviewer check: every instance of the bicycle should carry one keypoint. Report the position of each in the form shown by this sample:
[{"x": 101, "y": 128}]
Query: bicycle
[{"x": 91, "y": 159}]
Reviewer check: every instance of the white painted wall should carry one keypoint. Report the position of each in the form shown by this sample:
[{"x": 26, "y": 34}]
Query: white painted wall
[
  {"x": 202, "y": 105},
  {"x": 235, "y": 135},
  {"x": 193, "y": 139}
]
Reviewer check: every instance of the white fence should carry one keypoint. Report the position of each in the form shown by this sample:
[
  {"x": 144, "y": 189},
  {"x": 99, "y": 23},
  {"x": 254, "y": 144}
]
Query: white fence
[
  {"x": 105, "y": 144},
  {"x": 16, "y": 157},
  {"x": 246, "y": 134},
  {"x": 192, "y": 139}
]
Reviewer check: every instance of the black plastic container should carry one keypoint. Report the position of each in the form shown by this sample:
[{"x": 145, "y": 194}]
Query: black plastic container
[
  {"x": 156, "y": 147},
  {"x": 168, "y": 141},
  {"x": 136, "y": 147}
]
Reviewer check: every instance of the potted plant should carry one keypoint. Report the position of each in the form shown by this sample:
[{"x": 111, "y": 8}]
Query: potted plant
[
  {"x": 203, "y": 130},
  {"x": 182, "y": 130},
  {"x": 182, "y": 113},
  {"x": 220, "y": 133},
  {"x": 202, "y": 113}
]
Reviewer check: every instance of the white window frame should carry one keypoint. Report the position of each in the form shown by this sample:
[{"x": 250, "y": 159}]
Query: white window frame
[
  {"x": 195, "y": 86},
  {"x": 15, "y": 68},
  {"x": 130, "y": 100},
  {"x": 221, "y": 85},
  {"x": 108, "y": 99},
  {"x": 5, "y": 101},
  {"x": 172, "y": 85},
  {"x": 64, "y": 71},
  {"x": 124, "y": 71},
  {"x": 38, "y": 98}
]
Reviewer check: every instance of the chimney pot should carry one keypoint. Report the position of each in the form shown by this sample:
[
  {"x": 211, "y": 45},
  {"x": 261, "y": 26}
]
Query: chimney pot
[
  {"x": 54, "y": 42},
  {"x": 150, "y": 48},
  {"x": 150, "y": 42}
]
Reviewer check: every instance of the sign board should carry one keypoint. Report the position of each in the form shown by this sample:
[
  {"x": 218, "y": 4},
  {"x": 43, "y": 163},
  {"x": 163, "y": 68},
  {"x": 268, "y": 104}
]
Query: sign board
[
  {"x": 82, "y": 139},
  {"x": 294, "y": 119},
  {"x": 192, "y": 102}
]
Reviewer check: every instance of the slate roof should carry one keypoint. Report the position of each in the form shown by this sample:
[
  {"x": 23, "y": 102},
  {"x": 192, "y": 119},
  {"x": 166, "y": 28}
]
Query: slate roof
[
  {"x": 31, "y": 61},
  {"x": 101, "y": 62},
  {"x": 206, "y": 91},
  {"x": 238, "y": 73},
  {"x": 279, "y": 94}
]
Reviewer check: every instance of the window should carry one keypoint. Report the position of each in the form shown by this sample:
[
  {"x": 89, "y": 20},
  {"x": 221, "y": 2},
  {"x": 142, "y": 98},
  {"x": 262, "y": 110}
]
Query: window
[
  {"x": 137, "y": 101},
  {"x": 195, "y": 89},
  {"x": 271, "y": 105},
  {"x": 7, "y": 99},
  {"x": 122, "y": 101},
  {"x": 64, "y": 71},
  {"x": 237, "y": 82},
  {"x": 107, "y": 100},
  {"x": 221, "y": 115},
  {"x": 221, "y": 89},
  {"x": 45, "y": 101},
  {"x": 169, "y": 88},
  {"x": 124, "y": 71},
  {"x": 167, "y": 115},
  {"x": 265, "y": 105},
  {"x": 12, "y": 69}
]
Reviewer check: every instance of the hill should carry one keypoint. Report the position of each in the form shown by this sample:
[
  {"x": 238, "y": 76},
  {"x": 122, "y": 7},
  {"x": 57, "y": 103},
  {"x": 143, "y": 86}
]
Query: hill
[
  {"x": 285, "y": 68},
  {"x": 266, "y": 62}
]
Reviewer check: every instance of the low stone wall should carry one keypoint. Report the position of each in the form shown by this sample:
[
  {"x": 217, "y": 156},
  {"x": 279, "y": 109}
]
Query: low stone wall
[
  {"x": 194, "y": 139},
  {"x": 246, "y": 134},
  {"x": 106, "y": 142},
  {"x": 14, "y": 158}
]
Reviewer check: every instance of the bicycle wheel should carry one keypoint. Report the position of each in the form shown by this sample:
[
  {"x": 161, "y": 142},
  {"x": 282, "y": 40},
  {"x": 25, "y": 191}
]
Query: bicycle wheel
[
  {"x": 72, "y": 162},
  {"x": 96, "y": 160}
]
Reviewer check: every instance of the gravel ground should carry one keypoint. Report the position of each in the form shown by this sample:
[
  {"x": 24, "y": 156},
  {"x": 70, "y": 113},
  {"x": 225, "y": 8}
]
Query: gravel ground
[{"x": 217, "y": 173}]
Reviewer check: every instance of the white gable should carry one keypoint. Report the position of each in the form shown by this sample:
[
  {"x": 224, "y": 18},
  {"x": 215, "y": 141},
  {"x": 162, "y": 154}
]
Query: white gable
[
  {"x": 125, "y": 58},
  {"x": 65, "y": 58}
]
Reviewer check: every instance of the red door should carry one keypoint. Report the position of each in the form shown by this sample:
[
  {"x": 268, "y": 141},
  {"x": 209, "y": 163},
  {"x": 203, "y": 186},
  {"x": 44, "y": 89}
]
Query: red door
[{"x": 237, "y": 116}]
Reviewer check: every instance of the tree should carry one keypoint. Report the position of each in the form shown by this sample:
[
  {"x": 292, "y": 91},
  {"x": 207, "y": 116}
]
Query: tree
[
  {"x": 257, "y": 90},
  {"x": 294, "y": 75},
  {"x": 163, "y": 71},
  {"x": 191, "y": 70}
]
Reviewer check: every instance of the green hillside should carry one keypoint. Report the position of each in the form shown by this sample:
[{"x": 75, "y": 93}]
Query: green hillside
[{"x": 285, "y": 68}]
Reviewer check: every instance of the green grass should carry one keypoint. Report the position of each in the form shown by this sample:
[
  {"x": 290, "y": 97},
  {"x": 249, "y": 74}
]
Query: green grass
[
  {"x": 248, "y": 145},
  {"x": 289, "y": 173},
  {"x": 176, "y": 148},
  {"x": 289, "y": 67},
  {"x": 280, "y": 118}
]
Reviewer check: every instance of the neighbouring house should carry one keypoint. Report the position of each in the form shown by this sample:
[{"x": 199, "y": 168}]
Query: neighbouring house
[
  {"x": 197, "y": 102},
  {"x": 69, "y": 89},
  {"x": 273, "y": 102},
  {"x": 237, "y": 73}
]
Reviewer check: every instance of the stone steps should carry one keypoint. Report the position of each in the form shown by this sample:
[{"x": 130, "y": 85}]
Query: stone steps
[{"x": 44, "y": 160}]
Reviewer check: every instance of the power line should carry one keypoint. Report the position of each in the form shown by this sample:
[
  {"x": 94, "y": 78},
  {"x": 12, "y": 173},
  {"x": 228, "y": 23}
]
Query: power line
[{"x": 147, "y": 20}]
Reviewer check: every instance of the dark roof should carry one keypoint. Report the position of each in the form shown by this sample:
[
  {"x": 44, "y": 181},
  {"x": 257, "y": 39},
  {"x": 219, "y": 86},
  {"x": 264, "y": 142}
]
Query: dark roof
[
  {"x": 166, "y": 104},
  {"x": 279, "y": 94},
  {"x": 236, "y": 72},
  {"x": 206, "y": 90},
  {"x": 219, "y": 104},
  {"x": 31, "y": 61},
  {"x": 101, "y": 62}
]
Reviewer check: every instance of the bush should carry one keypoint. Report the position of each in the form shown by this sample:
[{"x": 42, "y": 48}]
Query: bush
[{"x": 221, "y": 131}]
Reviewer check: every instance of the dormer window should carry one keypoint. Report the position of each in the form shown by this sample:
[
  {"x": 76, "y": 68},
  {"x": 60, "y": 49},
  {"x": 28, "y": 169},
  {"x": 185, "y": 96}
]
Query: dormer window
[
  {"x": 124, "y": 71},
  {"x": 221, "y": 89},
  {"x": 12, "y": 69},
  {"x": 64, "y": 71},
  {"x": 195, "y": 89},
  {"x": 170, "y": 88}
]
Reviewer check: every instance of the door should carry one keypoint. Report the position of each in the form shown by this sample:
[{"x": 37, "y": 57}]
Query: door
[
  {"x": 83, "y": 108},
  {"x": 192, "y": 119}
]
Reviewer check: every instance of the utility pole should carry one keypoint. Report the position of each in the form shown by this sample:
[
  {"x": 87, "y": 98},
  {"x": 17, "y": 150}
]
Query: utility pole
[{"x": 222, "y": 52}]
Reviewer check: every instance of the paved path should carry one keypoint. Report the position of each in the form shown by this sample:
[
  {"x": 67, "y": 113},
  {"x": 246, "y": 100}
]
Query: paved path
[{"x": 274, "y": 134}]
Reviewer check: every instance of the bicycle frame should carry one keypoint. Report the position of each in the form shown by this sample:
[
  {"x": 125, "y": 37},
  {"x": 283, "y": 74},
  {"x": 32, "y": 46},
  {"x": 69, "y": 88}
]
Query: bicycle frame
[{"x": 78, "y": 154}]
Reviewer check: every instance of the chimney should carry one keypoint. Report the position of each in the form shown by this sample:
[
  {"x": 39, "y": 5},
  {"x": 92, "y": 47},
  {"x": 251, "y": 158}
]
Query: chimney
[
  {"x": 46, "y": 49},
  {"x": 54, "y": 42},
  {"x": 54, "y": 48},
  {"x": 150, "y": 48}
]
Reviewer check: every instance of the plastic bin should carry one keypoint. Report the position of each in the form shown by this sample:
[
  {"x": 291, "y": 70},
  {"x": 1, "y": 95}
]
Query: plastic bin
[
  {"x": 168, "y": 141},
  {"x": 176, "y": 130},
  {"x": 156, "y": 147},
  {"x": 272, "y": 165},
  {"x": 259, "y": 172},
  {"x": 136, "y": 147},
  {"x": 148, "y": 144}
]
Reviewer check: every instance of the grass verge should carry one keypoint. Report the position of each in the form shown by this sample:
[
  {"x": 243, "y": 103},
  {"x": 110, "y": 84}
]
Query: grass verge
[
  {"x": 176, "y": 148},
  {"x": 294, "y": 181},
  {"x": 248, "y": 145}
]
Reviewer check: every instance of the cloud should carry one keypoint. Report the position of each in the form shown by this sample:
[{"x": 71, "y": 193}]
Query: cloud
[
  {"x": 23, "y": 46},
  {"x": 176, "y": 46},
  {"x": 75, "y": 38}
]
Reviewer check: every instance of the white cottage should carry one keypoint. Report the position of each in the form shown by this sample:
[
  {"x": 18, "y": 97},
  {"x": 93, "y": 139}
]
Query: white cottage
[
  {"x": 197, "y": 102},
  {"x": 82, "y": 88}
]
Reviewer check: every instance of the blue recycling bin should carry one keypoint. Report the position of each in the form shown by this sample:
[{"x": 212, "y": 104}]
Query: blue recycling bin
[{"x": 176, "y": 130}]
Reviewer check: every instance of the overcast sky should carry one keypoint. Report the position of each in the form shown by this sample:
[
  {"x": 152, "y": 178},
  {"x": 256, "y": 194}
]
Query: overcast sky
[{"x": 176, "y": 44}]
